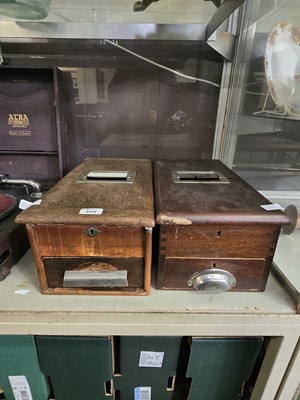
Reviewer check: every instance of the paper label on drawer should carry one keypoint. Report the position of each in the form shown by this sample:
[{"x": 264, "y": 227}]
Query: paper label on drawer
[
  {"x": 20, "y": 387},
  {"x": 91, "y": 211},
  {"x": 272, "y": 207},
  {"x": 151, "y": 359},
  {"x": 142, "y": 393}
]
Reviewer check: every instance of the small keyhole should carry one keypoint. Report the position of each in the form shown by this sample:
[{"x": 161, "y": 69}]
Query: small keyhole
[
  {"x": 219, "y": 233},
  {"x": 92, "y": 232}
]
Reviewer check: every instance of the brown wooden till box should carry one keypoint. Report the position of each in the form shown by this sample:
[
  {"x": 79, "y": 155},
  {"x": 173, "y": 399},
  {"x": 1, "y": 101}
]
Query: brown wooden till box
[
  {"x": 214, "y": 233},
  {"x": 92, "y": 233}
]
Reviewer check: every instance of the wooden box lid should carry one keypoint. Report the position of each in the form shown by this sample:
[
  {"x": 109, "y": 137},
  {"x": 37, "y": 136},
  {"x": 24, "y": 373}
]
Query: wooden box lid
[
  {"x": 206, "y": 191},
  {"x": 125, "y": 202}
]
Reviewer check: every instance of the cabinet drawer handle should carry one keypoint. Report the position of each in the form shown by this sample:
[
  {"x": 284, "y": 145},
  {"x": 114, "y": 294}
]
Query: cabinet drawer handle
[
  {"x": 95, "y": 278},
  {"x": 212, "y": 280}
]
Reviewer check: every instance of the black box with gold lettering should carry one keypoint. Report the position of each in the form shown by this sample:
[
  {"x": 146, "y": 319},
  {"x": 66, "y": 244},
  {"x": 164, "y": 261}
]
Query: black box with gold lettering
[{"x": 27, "y": 113}]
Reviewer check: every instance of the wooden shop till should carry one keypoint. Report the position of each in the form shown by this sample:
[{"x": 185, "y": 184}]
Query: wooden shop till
[
  {"x": 92, "y": 233},
  {"x": 214, "y": 233}
]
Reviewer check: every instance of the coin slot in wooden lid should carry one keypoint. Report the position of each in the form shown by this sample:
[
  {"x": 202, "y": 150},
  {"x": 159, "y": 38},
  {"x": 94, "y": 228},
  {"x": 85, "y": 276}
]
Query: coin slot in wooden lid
[
  {"x": 199, "y": 177},
  {"x": 108, "y": 176}
]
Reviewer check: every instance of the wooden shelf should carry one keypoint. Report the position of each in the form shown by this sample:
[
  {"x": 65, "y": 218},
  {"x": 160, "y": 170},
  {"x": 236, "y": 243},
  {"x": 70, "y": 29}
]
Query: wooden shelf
[{"x": 25, "y": 310}]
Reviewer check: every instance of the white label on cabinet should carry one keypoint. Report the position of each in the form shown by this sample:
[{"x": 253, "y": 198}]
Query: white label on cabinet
[
  {"x": 91, "y": 211},
  {"x": 20, "y": 387},
  {"x": 142, "y": 393},
  {"x": 151, "y": 359}
]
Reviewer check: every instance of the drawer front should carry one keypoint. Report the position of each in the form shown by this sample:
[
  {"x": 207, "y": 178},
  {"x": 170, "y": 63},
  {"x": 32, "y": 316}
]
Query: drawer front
[
  {"x": 55, "y": 268},
  {"x": 250, "y": 274},
  {"x": 222, "y": 241},
  {"x": 72, "y": 241}
]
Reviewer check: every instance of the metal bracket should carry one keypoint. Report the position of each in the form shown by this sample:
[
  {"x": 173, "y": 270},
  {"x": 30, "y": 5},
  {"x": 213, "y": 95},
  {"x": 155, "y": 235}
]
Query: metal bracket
[
  {"x": 217, "y": 3},
  {"x": 1, "y": 56},
  {"x": 142, "y": 5},
  {"x": 222, "y": 42}
]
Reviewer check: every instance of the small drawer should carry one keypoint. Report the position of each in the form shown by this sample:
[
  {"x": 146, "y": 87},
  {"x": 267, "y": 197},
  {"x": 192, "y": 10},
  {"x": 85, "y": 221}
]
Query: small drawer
[
  {"x": 85, "y": 240},
  {"x": 224, "y": 241},
  {"x": 121, "y": 274},
  {"x": 248, "y": 274}
]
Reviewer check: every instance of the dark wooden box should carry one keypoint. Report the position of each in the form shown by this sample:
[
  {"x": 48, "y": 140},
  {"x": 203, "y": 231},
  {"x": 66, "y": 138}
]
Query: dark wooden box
[
  {"x": 13, "y": 243},
  {"x": 214, "y": 234},
  {"x": 33, "y": 126},
  {"x": 92, "y": 234},
  {"x": 43, "y": 168}
]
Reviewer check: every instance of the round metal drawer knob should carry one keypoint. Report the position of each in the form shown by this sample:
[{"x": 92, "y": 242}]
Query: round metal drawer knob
[{"x": 212, "y": 280}]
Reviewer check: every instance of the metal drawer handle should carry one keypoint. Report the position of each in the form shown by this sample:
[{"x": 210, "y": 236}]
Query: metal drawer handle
[
  {"x": 95, "y": 278},
  {"x": 212, "y": 280}
]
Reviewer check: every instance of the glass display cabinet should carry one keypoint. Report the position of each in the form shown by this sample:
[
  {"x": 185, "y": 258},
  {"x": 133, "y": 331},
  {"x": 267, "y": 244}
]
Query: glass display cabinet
[
  {"x": 262, "y": 141},
  {"x": 263, "y": 115},
  {"x": 241, "y": 106}
]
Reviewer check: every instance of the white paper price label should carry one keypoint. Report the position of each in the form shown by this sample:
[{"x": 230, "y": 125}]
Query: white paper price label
[
  {"x": 151, "y": 359},
  {"x": 91, "y": 211},
  {"x": 24, "y": 204},
  {"x": 20, "y": 387},
  {"x": 142, "y": 393}
]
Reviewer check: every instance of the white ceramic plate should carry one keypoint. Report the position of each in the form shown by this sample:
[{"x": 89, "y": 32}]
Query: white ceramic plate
[{"x": 282, "y": 66}]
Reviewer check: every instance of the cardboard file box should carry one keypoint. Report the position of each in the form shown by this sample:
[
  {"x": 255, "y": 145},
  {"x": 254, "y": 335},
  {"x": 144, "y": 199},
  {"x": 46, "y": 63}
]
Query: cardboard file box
[
  {"x": 78, "y": 367},
  {"x": 20, "y": 373},
  {"x": 92, "y": 234},
  {"x": 214, "y": 233},
  {"x": 146, "y": 367},
  {"x": 219, "y": 367}
]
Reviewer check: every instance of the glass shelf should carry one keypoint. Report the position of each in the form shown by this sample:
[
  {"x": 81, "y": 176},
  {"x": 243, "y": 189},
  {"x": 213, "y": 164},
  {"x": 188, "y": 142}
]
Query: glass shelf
[{"x": 115, "y": 20}]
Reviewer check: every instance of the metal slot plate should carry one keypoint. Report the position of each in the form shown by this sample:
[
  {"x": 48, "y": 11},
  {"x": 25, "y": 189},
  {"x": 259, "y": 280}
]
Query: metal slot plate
[
  {"x": 199, "y": 177},
  {"x": 95, "y": 278},
  {"x": 99, "y": 176}
]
